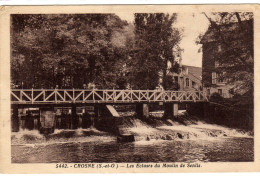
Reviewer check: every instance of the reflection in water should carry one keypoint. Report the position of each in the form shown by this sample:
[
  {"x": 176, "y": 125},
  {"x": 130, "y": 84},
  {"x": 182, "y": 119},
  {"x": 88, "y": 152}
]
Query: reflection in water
[{"x": 174, "y": 143}]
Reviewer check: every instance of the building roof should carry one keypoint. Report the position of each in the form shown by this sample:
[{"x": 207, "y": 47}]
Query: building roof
[{"x": 194, "y": 73}]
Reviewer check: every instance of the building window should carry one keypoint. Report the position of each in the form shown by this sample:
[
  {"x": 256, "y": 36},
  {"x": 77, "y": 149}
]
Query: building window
[
  {"x": 214, "y": 78},
  {"x": 220, "y": 78},
  {"x": 187, "y": 82},
  {"x": 220, "y": 91}
]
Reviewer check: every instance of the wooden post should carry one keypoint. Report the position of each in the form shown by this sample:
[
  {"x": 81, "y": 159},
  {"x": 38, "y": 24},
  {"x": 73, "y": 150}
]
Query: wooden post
[
  {"x": 142, "y": 110},
  {"x": 74, "y": 117},
  {"x": 97, "y": 111},
  {"x": 95, "y": 120},
  {"x": 175, "y": 109},
  {"x": 15, "y": 119},
  {"x": 170, "y": 110}
]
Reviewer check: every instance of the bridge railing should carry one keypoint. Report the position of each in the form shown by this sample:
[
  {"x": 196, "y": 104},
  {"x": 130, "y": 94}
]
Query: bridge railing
[{"x": 45, "y": 96}]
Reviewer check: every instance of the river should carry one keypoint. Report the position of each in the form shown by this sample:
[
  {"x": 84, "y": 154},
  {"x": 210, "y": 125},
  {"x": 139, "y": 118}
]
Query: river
[{"x": 165, "y": 143}]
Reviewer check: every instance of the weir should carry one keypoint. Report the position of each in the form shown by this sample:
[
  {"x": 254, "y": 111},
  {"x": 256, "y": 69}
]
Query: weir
[{"x": 105, "y": 117}]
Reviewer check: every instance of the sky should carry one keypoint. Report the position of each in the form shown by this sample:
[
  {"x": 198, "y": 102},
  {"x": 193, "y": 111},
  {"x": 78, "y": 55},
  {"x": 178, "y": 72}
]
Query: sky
[{"x": 192, "y": 24}]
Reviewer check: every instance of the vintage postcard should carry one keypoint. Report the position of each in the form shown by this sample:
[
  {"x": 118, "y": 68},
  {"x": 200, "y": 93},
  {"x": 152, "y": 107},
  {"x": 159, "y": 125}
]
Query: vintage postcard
[{"x": 129, "y": 88}]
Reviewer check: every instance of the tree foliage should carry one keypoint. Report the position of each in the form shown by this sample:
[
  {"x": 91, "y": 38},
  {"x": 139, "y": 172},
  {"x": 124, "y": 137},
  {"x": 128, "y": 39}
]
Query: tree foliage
[
  {"x": 71, "y": 50},
  {"x": 234, "y": 32},
  {"x": 155, "y": 39},
  {"x": 67, "y": 50}
]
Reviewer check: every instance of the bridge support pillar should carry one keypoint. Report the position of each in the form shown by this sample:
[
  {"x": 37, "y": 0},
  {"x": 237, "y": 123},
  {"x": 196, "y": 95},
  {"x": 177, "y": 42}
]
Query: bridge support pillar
[
  {"x": 15, "y": 119},
  {"x": 97, "y": 111},
  {"x": 74, "y": 117},
  {"x": 142, "y": 110},
  {"x": 170, "y": 110},
  {"x": 97, "y": 115}
]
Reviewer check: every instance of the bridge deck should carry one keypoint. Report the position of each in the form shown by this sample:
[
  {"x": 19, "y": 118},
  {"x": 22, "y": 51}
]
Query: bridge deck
[{"x": 64, "y": 96}]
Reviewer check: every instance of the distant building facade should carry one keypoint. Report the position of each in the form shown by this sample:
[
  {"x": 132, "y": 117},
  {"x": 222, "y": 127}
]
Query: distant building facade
[
  {"x": 189, "y": 78},
  {"x": 212, "y": 45},
  {"x": 211, "y": 78}
]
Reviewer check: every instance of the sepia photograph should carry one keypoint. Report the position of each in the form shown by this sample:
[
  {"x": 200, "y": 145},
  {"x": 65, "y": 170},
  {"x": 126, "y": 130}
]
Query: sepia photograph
[{"x": 132, "y": 87}]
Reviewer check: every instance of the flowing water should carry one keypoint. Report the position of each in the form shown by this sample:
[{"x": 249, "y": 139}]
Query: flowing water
[{"x": 167, "y": 142}]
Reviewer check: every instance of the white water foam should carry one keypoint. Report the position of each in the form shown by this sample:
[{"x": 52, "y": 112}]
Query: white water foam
[
  {"x": 60, "y": 136},
  {"x": 228, "y": 131},
  {"x": 142, "y": 131},
  {"x": 177, "y": 131}
]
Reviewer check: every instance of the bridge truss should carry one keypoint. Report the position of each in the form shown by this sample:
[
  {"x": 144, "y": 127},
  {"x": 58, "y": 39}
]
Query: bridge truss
[{"x": 59, "y": 96}]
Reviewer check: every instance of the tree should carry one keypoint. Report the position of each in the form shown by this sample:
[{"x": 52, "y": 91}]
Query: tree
[
  {"x": 67, "y": 50},
  {"x": 155, "y": 39},
  {"x": 234, "y": 31}
]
